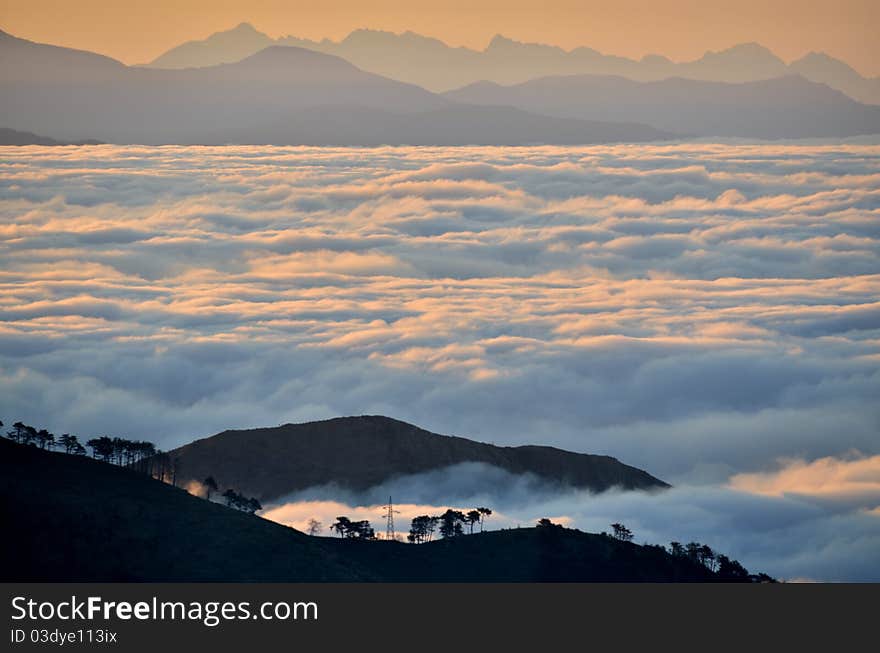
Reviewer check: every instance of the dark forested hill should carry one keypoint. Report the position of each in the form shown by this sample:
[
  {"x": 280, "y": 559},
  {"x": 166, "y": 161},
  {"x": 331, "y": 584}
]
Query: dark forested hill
[
  {"x": 361, "y": 452},
  {"x": 71, "y": 518}
]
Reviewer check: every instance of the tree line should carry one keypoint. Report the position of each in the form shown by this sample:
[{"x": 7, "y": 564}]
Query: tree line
[
  {"x": 695, "y": 552},
  {"x": 240, "y": 502},
  {"x": 353, "y": 530},
  {"x": 422, "y": 528},
  {"x": 139, "y": 455},
  {"x": 450, "y": 524}
]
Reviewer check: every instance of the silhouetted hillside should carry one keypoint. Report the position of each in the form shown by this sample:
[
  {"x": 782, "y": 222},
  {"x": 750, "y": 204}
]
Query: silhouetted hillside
[
  {"x": 25, "y": 61},
  {"x": 227, "y": 46},
  {"x": 71, "y": 518},
  {"x": 361, "y": 452},
  {"x": 279, "y": 96},
  {"x": 787, "y": 107},
  {"x": 13, "y": 137}
]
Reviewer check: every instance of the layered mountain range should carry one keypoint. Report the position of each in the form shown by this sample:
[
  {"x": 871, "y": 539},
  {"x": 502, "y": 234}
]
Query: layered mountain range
[
  {"x": 286, "y": 94},
  {"x": 431, "y": 63},
  {"x": 278, "y": 96}
]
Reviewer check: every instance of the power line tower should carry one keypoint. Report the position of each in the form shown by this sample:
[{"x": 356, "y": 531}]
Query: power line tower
[{"x": 388, "y": 512}]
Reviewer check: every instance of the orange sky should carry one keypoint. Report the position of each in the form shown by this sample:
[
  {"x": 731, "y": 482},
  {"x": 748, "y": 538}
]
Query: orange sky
[{"x": 680, "y": 29}]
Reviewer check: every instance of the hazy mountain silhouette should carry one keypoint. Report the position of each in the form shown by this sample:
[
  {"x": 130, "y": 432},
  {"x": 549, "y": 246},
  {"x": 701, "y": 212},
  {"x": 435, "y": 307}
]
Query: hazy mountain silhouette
[
  {"x": 13, "y": 137},
  {"x": 71, "y": 518},
  {"x": 362, "y": 452},
  {"x": 786, "y": 107},
  {"x": 819, "y": 67},
  {"x": 23, "y": 61},
  {"x": 430, "y": 63},
  {"x": 221, "y": 47},
  {"x": 280, "y": 95}
]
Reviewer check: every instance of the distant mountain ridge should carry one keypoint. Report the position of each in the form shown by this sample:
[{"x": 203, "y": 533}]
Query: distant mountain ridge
[
  {"x": 361, "y": 452},
  {"x": 13, "y": 137},
  {"x": 290, "y": 95},
  {"x": 785, "y": 107},
  {"x": 281, "y": 95},
  {"x": 430, "y": 63}
]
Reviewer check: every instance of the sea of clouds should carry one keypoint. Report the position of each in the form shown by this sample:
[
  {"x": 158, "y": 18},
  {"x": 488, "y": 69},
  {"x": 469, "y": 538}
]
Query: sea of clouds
[{"x": 708, "y": 312}]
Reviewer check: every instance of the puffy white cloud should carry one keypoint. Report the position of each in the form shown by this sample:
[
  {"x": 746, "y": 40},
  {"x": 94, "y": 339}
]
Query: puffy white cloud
[{"x": 699, "y": 310}]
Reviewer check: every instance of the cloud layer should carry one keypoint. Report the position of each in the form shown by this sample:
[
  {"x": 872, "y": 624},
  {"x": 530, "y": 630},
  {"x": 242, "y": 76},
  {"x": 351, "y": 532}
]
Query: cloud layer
[
  {"x": 698, "y": 310},
  {"x": 803, "y": 521}
]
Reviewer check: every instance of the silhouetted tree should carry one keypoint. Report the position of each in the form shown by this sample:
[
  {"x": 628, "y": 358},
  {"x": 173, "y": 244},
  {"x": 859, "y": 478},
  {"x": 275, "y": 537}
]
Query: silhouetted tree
[
  {"x": 45, "y": 440},
  {"x": 362, "y": 530},
  {"x": 17, "y": 432},
  {"x": 30, "y": 435},
  {"x": 471, "y": 518},
  {"x": 676, "y": 549},
  {"x": 121, "y": 451},
  {"x": 353, "y": 530},
  {"x": 231, "y": 497},
  {"x": 66, "y": 441},
  {"x": 622, "y": 533},
  {"x": 731, "y": 569},
  {"x": 341, "y": 525},
  {"x": 160, "y": 467},
  {"x": 422, "y": 528},
  {"x": 544, "y": 522},
  {"x": 450, "y": 523},
  {"x": 313, "y": 527},
  {"x": 241, "y": 502},
  {"x": 210, "y": 486},
  {"x": 707, "y": 557},
  {"x": 432, "y": 526},
  {"x": 484, "y": 512},
  {"x": 102, "y": 448},
  {"x": 144, "y": 453}
]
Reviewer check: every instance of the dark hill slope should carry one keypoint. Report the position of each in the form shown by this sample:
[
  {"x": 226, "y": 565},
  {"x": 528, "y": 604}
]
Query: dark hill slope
[
  {"x": 69, "y": 518},
  {"x": 361, "y": 452},
  {"x": 538, "y": 554}
]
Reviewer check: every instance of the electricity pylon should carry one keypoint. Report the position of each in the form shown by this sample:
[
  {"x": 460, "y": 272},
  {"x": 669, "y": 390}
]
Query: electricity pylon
[{"x": 388, "y": 512}]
